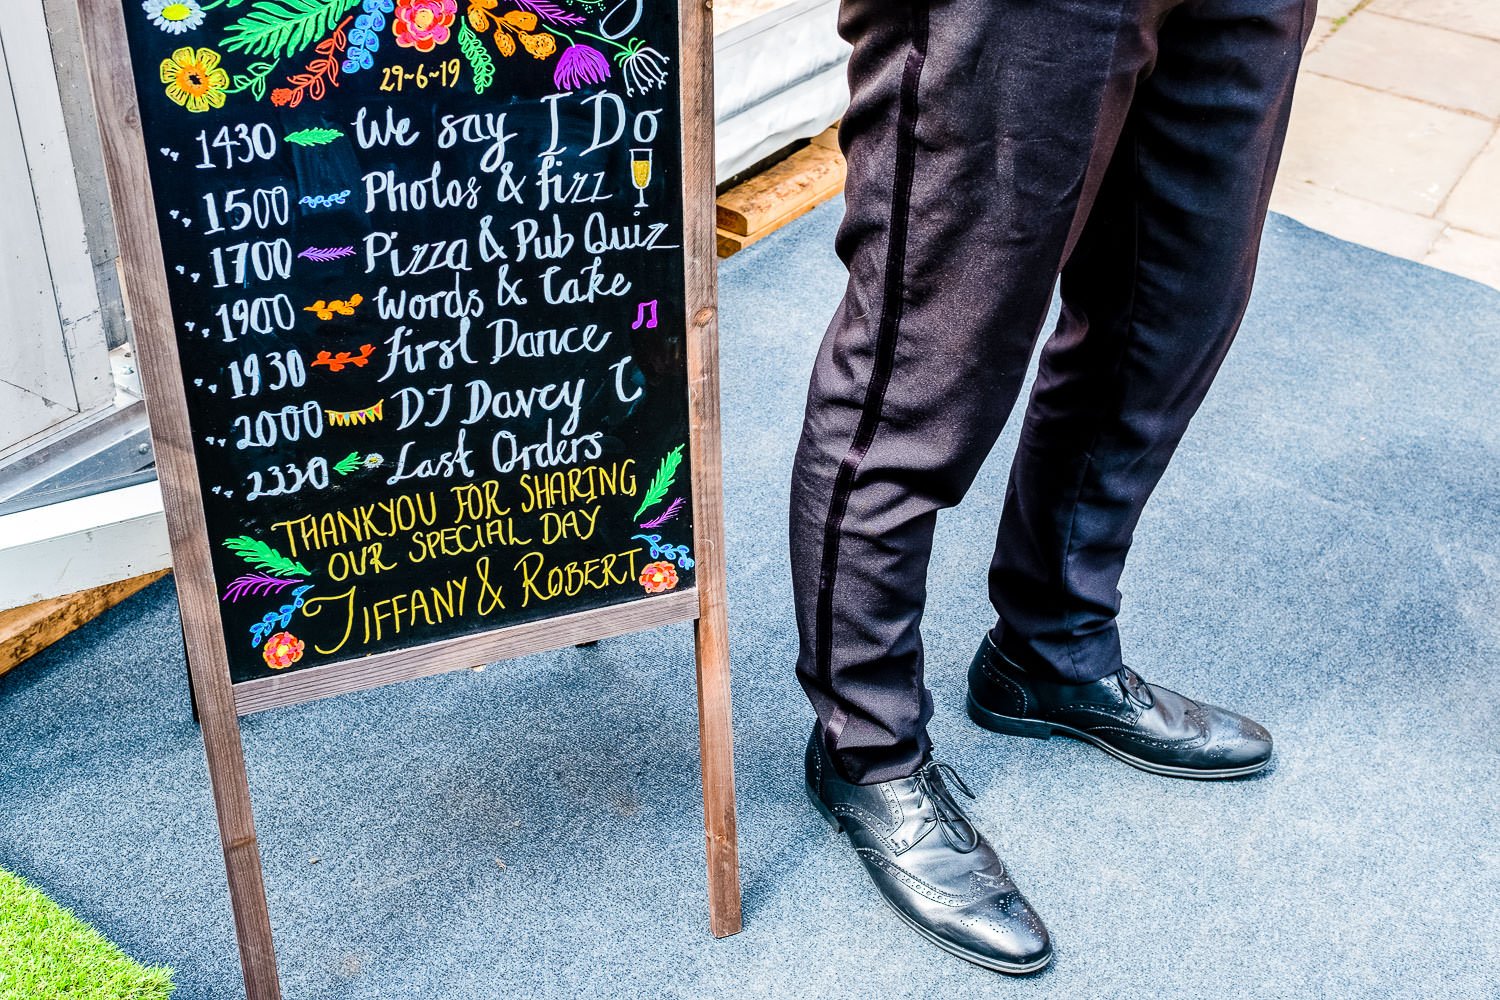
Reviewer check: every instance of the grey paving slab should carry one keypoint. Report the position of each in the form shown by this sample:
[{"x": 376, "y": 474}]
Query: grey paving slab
[
  {"x": 1390, "y": 150},
  {"x": 1389, "y": 230},
  {"x": 1474, "y": 203},
  {"x": 1414, "y": 60},
  {"x": 1474, "y": 17},
  {"x": 1468, "y": 254}
]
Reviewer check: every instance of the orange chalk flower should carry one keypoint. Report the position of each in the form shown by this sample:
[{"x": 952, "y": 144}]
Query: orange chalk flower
[
  {"x": 480, "y": 12},
  {"x": 282, "y": 650},
  {"x": 658, "y": 577},
  {"x": 195, "y": 79}
]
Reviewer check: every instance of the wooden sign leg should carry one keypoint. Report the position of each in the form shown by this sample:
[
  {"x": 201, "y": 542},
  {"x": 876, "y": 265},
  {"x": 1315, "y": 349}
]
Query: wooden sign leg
[
  {"x": 247, "y": 888},
  {"x": 716, "y": 748}
]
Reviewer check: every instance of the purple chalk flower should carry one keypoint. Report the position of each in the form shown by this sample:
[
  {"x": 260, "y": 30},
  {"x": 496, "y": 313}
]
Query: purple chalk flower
[{"x": 578, "y": 65}]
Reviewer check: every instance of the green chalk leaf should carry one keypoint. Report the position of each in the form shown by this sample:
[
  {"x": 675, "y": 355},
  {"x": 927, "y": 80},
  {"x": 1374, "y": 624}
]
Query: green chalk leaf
[
  {"x": 314, "y": 136},
  {"x": 279, "y": 28},
  {"x": 666, "y": 474},
  {"x": 262, "y": 556},
  {"x": 481, "y": 66}
]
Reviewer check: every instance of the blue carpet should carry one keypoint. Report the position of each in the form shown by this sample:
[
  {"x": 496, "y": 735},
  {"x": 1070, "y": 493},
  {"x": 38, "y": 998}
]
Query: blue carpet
[{"x": 1323, "y": 553}]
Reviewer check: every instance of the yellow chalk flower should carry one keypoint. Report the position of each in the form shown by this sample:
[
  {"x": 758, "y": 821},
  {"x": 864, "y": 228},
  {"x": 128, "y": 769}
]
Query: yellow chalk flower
[{"x": 195, "y": 79}]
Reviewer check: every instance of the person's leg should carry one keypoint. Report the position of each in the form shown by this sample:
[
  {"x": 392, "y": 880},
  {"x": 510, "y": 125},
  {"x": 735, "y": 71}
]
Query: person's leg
[
  {"x": 977, "y": 134},
  {"x": 1152, "y": 297}
]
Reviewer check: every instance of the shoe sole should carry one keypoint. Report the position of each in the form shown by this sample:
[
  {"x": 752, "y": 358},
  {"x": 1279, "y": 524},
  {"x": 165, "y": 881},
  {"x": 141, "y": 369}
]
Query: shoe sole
[
  {"x": 1032, "y": 729},
  {"x": 1008, "y": 968}
]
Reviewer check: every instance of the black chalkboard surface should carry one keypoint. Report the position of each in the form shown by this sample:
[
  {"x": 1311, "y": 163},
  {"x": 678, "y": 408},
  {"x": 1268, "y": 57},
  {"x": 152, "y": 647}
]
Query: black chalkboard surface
[
  {"x": 426, "y": 276},
  {"x": 424, "y": 300}
]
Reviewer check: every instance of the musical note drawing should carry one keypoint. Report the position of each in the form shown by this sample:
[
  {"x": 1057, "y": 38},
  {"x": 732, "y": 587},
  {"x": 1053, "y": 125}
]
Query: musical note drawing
[{"x": 640, "y": 316}]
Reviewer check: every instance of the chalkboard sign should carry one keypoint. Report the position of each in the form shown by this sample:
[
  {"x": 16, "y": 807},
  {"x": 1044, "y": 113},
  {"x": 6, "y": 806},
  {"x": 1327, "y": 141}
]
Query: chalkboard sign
[
  {"x": 426, "y": 277},
  {"x": 423, "y": 294}
]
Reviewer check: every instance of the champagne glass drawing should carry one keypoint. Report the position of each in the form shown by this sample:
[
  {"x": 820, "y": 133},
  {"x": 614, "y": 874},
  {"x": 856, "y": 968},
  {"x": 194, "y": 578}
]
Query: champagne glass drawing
[{"x": 640, "y": 173}]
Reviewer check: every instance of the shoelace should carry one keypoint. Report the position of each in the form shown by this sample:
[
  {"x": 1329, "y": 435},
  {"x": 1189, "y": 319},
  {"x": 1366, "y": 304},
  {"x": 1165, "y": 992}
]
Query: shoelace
[
  {"x": 1136, "y": 687},
  {"x": 932, "y": 782}
]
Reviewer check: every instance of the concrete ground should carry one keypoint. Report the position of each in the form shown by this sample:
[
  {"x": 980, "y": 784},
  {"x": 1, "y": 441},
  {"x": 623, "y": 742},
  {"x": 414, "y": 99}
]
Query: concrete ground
[{"x": 1395, "y": 137}]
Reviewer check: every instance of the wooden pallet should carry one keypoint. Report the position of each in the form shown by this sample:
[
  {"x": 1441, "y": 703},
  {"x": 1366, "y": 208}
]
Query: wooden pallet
[
  {"x": 24, "y": 632},
  {"x": 790, "y": 189}
]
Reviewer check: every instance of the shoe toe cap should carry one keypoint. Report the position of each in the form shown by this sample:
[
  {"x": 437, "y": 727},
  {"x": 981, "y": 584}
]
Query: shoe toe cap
[
  {"x": 1008, "y": 933},
  {"x": 1235, "y": 741}
]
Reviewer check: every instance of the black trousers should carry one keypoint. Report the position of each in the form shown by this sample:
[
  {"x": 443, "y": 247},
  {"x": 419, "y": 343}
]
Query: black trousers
[{"x": 1127, "y": 145}]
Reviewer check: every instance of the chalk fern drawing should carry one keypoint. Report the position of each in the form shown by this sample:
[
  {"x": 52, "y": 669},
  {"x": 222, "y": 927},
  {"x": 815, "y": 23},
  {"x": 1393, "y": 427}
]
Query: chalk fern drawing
[
  {"x": 672, "y": 511},
  {"x": 314, "y": 136},
  {"x": 666, "y": 474},
  {"x": 324, "y": 254},
  {"x": 276, "y": 29},
  {"x": 280, "y": 618},
  {"x": 262, "y": 556},
  {"x": 256, "y": 585},
  {"x": 661, "y": 550},
  {"x": 320, "y": 74}
]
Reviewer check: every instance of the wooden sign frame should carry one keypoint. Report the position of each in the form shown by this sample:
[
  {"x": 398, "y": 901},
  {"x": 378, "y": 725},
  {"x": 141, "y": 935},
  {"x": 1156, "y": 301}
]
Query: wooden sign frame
[{"x": 220, "y": 702}]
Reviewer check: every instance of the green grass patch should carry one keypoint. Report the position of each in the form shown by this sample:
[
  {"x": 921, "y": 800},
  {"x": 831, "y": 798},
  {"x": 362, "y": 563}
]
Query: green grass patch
[{"x": 46, "y": 953}]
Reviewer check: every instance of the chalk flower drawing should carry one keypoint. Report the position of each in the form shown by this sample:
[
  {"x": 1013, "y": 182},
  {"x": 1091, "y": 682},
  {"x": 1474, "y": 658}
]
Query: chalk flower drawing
[
  {"x": 480, "y": 14},
  {"x": 174, "y": 16},
  {"x": 522, "y": 24},
  {"x": 424, "y": 24},
  {"x": 374, "y": 460},
  {"x": 364, "y": 37},
  {"x": 659, "y": 577},
  {"x": 644, "y": 68},
  {"x": 579, "y": 65},
  {"x": 282, "y": 650},
  {"x": 195, "y": 79}
]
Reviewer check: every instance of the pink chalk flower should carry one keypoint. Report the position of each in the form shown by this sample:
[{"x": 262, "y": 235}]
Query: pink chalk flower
[
  {"x": 424, "y": 24},
  {"x": 659, "y": 577},
  {"x": 578, "y": 65},
  {"x": 282, "y": 650}
]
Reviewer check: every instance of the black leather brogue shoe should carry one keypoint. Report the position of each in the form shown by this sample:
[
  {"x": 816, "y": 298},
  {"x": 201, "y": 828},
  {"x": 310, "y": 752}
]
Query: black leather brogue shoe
[
  {"x": 1146, "y": 726},
  {"x": 930, "y": 864}
]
